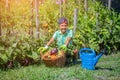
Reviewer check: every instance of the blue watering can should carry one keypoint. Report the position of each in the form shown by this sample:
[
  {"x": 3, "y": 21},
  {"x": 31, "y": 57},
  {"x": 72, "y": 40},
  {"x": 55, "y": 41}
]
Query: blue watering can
[{"x": 89, "y": 58}]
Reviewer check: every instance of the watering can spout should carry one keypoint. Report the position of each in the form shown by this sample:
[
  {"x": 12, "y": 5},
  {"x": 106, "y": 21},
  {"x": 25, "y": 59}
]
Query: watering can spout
[{"x": 97, "y": 58}]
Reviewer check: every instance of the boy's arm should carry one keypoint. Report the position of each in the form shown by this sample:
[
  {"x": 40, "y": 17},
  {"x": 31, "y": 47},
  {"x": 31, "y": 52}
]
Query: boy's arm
[
  {"x": 51, "y": 40},
  {"x": 70, "y": 35},
  {"x": 67, "y": 41}
]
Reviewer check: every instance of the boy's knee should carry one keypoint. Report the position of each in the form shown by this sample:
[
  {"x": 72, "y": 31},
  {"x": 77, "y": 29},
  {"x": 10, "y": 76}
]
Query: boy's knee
[{"x": 75, "y": 53}]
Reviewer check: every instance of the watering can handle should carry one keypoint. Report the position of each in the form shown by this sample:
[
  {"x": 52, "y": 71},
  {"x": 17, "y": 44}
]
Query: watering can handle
[{"x": 83, "y": 49}]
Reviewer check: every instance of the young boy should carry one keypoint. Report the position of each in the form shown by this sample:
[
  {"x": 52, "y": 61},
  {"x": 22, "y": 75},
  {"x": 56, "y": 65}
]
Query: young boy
[{"x": 63, "y": 37}]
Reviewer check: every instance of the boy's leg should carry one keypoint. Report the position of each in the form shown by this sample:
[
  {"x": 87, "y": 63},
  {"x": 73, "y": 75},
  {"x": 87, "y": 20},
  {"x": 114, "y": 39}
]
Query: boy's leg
[
  {"x": 68, "y": 58},
  {"x": 75, "y": 56},
  {"x": 74, "y": 59}
]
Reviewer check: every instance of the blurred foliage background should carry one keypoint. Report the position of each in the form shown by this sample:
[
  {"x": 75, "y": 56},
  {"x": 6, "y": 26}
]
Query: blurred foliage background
[{"x": 97, "y": 28}]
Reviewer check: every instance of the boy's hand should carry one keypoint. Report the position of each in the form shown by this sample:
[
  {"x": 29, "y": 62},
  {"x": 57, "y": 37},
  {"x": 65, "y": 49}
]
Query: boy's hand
[
  {"x": 63, "y": 47},
  {"x": 46, "y": 46}
]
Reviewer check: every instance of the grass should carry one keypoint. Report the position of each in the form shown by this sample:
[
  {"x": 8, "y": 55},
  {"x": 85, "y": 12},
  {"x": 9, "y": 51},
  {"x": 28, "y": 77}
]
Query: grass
[{"x": 108, "y": 68}]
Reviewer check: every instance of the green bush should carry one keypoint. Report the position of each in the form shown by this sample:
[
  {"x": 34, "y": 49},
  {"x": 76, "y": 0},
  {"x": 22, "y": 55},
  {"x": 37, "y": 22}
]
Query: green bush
[{"x": 20, "y": 49}]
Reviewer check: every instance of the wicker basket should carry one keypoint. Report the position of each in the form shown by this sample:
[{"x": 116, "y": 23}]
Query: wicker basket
[{"x": 58, "y": 62}]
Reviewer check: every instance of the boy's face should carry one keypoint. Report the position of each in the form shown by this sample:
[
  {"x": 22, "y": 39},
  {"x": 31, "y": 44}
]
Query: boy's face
[{"x": 63, "y": 27}]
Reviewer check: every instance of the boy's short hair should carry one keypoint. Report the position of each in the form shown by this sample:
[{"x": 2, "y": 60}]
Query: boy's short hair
[{"x": 62, "y": 20}]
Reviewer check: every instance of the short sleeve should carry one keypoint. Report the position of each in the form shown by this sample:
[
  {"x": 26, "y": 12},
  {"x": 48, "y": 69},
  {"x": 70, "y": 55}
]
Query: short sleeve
[
  {"x": 55, "y": 35},
  {"x": 70, "y": 33}
]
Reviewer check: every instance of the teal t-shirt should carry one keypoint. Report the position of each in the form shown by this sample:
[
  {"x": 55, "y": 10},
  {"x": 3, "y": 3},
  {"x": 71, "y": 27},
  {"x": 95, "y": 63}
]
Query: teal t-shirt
[{"x": 61, "y": 38}]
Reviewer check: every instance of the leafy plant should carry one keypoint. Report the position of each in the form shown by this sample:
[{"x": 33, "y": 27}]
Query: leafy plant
[{"x": 22, "y": 50}]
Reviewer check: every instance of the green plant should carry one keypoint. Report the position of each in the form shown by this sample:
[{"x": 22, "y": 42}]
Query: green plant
[{"x": 22, "y": 49}]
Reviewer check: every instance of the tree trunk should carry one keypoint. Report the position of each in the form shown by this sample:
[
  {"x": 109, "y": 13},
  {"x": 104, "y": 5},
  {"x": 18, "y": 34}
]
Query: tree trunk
[
  {"x": 93, "y": 0},
  {"x": 37, "y": 19},
  {"x": 97, "y": 22},
  {"x": 75, "y": 19},
  {"x": 0, "y": 29},
  {"x": 31, "y": 24},
  {"x": 61, "y": 10},
  {"x": 0, "y": 25},
  {"x": 7, "y": 5},
  {"x": 109, "y": 4},
  {"x": 86, "y": 5}
]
